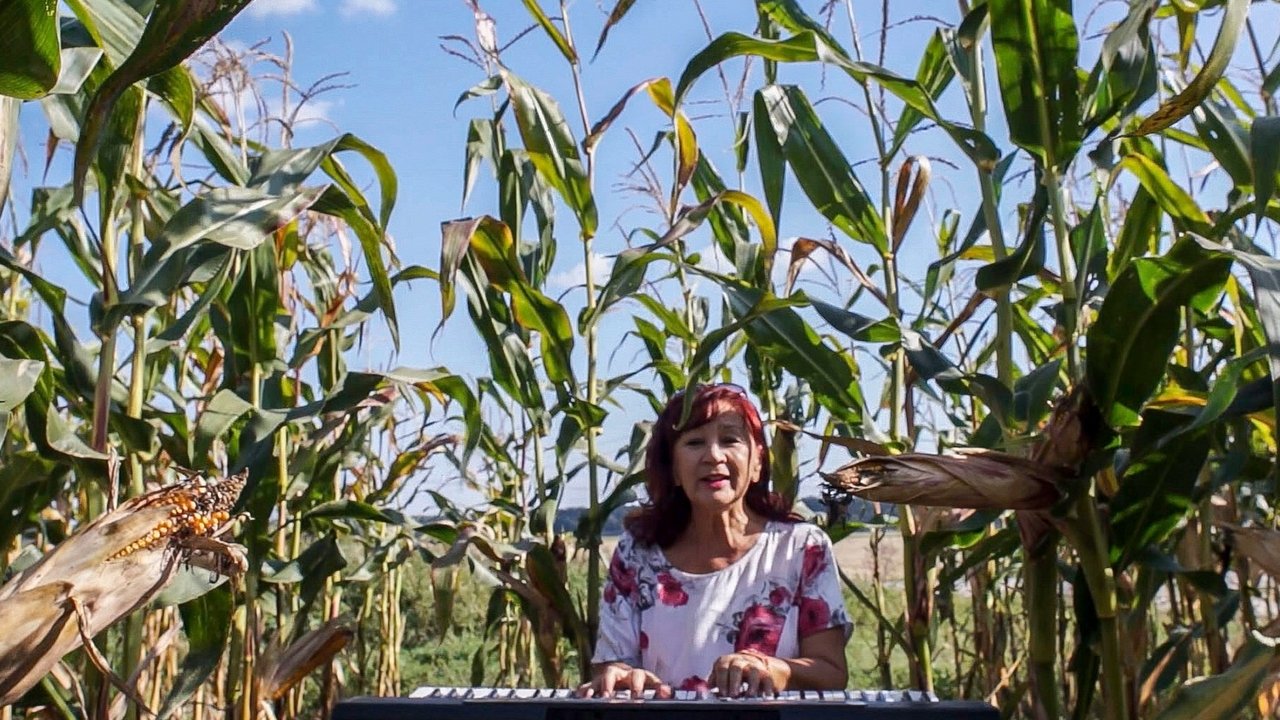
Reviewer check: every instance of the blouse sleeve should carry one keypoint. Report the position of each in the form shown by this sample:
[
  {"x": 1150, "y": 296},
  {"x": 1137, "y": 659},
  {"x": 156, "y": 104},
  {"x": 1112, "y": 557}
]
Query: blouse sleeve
[
  {"x": 618, "y": 639},
  {"x": 819, "y": 596}
]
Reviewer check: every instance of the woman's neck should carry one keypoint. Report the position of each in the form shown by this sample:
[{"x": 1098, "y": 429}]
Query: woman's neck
[{"x": 720, "y": 538}]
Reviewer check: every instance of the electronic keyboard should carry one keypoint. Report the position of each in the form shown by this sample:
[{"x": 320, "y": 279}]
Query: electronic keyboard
[{"x": 456, "y": 703}]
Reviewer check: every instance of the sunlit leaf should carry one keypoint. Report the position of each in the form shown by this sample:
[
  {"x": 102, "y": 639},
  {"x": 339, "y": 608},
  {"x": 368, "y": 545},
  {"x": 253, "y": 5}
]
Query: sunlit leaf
[
  {"x": 819, "y": 165},
  {"x": 32, "y": 56},
  {"x": 551, "y": 146},
  {"x": 1137, "y": 327},
  {"x": 1035, "y": 45}
]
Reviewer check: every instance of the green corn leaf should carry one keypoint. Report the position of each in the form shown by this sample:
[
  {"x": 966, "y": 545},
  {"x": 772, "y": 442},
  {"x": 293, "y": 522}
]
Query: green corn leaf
[
  {"x": 858, "y": 327},
  {"x": 1156, "y": 489},
  {"x": 231, "y": 217},
  {"x": 1169, "y": 195},
  {"x": 175, "y": 30},
  {"x": 113, "y": 25},
  {"x": 490, "y": 243},
  {"x": 1138, "y": 232},
  {"x": 9, "y": 131},
  {"x": 552, "y": 149},
  {"x": 819, "y": 165},
  {"x": 177, "y": 88},
  {"x": 934, "y": 75},
  {"x": 1226, "y": 138},
  {"x": 1178, "y": 106},
  {"x": 1264, "y": 152},
  {"x": 1125, "y": 75},
  {"x": 18, "y": 379},
  {"x": 1035, "y": 45},
  {"x": 781, "y": 334},
  {"x": 222, "y": 411},
  {"x": 354, "y": 212},
  {"x": 1027, "y": 259},
  {"x": 32, "y": 56},
  {"x": 806, "y": 46},
  {"x": 551, "y": 30},
  {"x": 1137, "y": 326}
]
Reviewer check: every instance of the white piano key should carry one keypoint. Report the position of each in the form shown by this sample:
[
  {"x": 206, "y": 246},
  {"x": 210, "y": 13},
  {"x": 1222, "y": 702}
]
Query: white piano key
[
  {"x": 562, "y": 693},
  {"x": 524, "y": 693},
  {"x": 420, "y": 692},
  {"x": 688, "y": 695},
  {"x": 480, "y": 693},
  {"x": 791, "y": 695}
]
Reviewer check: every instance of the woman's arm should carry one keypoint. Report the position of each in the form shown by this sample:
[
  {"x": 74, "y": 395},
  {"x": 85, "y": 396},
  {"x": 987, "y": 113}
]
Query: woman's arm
[{"x": 820, "y": 666}]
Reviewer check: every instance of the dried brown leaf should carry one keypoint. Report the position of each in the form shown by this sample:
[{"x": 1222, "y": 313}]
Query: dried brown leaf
[
  {"x": 313, "y": 650},
  {"x": 968, "y": 478}
]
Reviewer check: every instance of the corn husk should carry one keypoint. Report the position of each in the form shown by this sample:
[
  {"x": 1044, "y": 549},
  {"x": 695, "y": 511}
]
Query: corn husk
[
  {"x": 108, "y": 569},
  {"x": 965, "y": 478},
  {"x": 283, "y": 669}
]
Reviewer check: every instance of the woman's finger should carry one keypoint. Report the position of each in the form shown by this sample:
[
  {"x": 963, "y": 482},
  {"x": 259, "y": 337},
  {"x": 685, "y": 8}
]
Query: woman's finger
[
  {"x": 767, "y": 688},
  {"x": 636, "y": 682},
  {"x": 753, "y": 680},
  {"x": 607, "y": 680},
  {"x": 718, "y": 679},
  {"x": 735, "y": 679}
]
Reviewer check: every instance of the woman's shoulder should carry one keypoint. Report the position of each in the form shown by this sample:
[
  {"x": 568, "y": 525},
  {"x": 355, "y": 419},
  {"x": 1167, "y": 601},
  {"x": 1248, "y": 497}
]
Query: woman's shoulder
[{"x": 631, "y": 548}]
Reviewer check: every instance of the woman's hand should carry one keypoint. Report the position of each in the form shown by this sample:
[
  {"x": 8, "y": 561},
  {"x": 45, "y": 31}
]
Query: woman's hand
[
  {"x": 750, "y": 673},
  {"x": 608, "y": 678}
]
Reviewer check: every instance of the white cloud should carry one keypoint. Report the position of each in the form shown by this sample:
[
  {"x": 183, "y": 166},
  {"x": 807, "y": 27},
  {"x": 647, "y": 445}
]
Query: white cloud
[
  {"x": 315, "y": 111},
  {"x": 378, "y": 8},
  {"x": 576, "y": 276},
  {"x": 267, "y": 8},
  {"x": 710, "y": 258}
]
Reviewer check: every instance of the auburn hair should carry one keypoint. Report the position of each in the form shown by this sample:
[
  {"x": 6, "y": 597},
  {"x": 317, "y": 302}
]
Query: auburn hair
[{"x": 666, "y": 515}]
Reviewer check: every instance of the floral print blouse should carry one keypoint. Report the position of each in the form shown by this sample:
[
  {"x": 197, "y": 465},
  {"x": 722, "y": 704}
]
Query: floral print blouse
[{"x": 675, "y": 623}]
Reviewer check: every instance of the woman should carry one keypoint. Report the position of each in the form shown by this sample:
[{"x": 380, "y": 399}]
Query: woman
[{"x": 716, "y": 585}]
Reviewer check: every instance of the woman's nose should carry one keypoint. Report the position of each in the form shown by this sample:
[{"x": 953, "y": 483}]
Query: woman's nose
[{"x": 715, "y": 451}]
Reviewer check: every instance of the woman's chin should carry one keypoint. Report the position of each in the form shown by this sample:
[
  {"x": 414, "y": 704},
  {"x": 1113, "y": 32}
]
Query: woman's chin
[{"x": 715, "y": 498}]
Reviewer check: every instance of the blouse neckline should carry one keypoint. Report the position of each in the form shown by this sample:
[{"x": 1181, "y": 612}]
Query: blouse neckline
[{"x": 751, "y": 552}]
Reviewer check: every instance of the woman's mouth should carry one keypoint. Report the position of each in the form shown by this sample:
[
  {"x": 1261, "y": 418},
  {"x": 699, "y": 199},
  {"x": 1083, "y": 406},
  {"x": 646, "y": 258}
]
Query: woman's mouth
[{"x": 716, "y": 481}]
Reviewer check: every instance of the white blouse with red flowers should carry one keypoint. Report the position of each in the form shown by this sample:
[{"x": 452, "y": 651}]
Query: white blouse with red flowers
[{"x": 675, "y": 623}]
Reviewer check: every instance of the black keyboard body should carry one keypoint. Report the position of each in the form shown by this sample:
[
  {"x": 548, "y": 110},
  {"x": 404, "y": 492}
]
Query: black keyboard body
[{"x": 535, "y": 704}]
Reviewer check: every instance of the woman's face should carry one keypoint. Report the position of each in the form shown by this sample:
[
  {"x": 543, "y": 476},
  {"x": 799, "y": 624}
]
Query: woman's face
[{"x": 717, "y": 462}]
